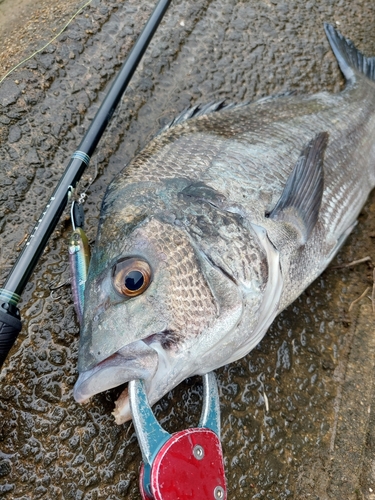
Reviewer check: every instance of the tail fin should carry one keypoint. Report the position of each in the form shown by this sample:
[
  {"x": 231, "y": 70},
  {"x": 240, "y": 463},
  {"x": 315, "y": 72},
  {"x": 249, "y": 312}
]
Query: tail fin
[{"x": 350, "y": 59}]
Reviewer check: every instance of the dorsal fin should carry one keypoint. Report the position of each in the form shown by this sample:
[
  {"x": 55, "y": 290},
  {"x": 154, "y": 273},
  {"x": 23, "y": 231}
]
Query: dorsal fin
[
  {"x": 300, "y": 201},
  {"x": 350, "y": 59},
  {"x": 202, "y": 109},
  {"x": 213, "y": 107}
]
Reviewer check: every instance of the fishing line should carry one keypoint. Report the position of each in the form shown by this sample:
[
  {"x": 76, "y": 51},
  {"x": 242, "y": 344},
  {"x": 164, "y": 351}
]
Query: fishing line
[{"x": 46, "y": 45}]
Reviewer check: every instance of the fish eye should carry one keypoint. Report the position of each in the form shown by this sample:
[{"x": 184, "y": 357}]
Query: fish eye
[{"x": 131, "y": 277}]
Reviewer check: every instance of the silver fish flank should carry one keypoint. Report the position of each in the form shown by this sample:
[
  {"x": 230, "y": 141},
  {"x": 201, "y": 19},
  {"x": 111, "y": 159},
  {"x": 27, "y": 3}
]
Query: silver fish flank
[{"x": 218, "y": 225}]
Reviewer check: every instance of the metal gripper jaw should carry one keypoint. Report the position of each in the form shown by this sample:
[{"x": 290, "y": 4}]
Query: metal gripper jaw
[{"x": 184, "y": 465}]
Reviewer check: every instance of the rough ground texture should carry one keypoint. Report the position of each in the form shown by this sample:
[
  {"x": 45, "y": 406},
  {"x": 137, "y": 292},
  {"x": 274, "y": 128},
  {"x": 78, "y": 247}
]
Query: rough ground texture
[
  {"x": 27, "y": 25},
  {"x": 315, "y": 366}
]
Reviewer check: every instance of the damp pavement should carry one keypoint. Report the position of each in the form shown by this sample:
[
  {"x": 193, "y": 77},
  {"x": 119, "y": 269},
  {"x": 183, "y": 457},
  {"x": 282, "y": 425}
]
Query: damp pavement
[{"x": 298, "y": 412}]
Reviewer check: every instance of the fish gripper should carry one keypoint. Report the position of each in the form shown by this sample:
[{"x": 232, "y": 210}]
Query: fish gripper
[{"x": 184, "y": 465}]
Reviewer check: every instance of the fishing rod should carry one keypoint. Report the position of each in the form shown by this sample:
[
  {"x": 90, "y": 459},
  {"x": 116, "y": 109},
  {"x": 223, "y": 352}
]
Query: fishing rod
[{"x": 10, "y": 294}]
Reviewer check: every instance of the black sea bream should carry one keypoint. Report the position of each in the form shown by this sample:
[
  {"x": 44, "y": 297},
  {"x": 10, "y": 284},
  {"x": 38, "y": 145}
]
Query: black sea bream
[{"x": 220, "y": 223}]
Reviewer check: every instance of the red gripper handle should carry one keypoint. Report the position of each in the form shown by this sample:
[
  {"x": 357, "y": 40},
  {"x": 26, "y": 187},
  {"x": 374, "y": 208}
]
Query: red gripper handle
[{"x": 189, "y": 466}]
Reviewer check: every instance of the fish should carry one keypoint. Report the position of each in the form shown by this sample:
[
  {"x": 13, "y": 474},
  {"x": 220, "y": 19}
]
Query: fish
[{"x": 219, "y": 224}]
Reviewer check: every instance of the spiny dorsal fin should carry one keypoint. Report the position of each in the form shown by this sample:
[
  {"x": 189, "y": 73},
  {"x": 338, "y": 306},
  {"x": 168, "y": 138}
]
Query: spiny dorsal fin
[
  {"x": 349, "y": 58},
  {"x": 202, "y": 109},
  {"x": 300, "y": 201},
  {"x": 213, "y": 107}
]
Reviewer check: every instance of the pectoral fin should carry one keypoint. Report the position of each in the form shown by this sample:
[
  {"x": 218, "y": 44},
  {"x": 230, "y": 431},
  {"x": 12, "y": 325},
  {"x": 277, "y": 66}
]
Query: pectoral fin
[{"x": 300, "y": 201}]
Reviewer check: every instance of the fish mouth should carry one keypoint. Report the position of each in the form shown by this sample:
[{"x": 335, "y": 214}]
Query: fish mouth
[{"x": 134, "y": 361}]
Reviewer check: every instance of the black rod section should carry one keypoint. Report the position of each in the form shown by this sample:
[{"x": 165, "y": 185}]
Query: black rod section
[{"x": 36, "y": 242}]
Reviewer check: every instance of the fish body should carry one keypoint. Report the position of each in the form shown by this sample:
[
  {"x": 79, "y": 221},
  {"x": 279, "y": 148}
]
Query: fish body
[{"x": 219, "y": 224}]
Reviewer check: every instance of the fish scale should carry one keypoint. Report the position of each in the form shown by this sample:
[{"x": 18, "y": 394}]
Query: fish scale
[
  {"x": 184, "y": 278},
  {"x": 235, "y": 212}
]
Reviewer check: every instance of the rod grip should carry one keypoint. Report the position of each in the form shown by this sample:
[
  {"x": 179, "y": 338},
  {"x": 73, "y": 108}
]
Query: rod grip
[{"x": 10, "y": 327}]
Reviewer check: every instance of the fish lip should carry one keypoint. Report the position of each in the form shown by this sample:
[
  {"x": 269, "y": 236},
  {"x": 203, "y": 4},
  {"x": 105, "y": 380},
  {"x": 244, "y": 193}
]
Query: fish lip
[{"x": 134, "y": 361}]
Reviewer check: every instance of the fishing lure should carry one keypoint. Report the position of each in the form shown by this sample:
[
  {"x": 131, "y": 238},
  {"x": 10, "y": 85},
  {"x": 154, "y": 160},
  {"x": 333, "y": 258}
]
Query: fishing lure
[{"x": 79, "y": 258}]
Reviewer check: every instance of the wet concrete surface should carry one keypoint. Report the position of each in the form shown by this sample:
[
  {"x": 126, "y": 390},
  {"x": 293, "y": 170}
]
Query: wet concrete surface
[
  {"x": 27, "y": 25},
  {"x": 315, "y": 367}
]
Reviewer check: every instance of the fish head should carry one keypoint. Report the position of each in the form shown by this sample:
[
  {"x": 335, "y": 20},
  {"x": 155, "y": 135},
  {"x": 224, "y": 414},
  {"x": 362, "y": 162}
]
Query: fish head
[{"x": 164, "y": 301}]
